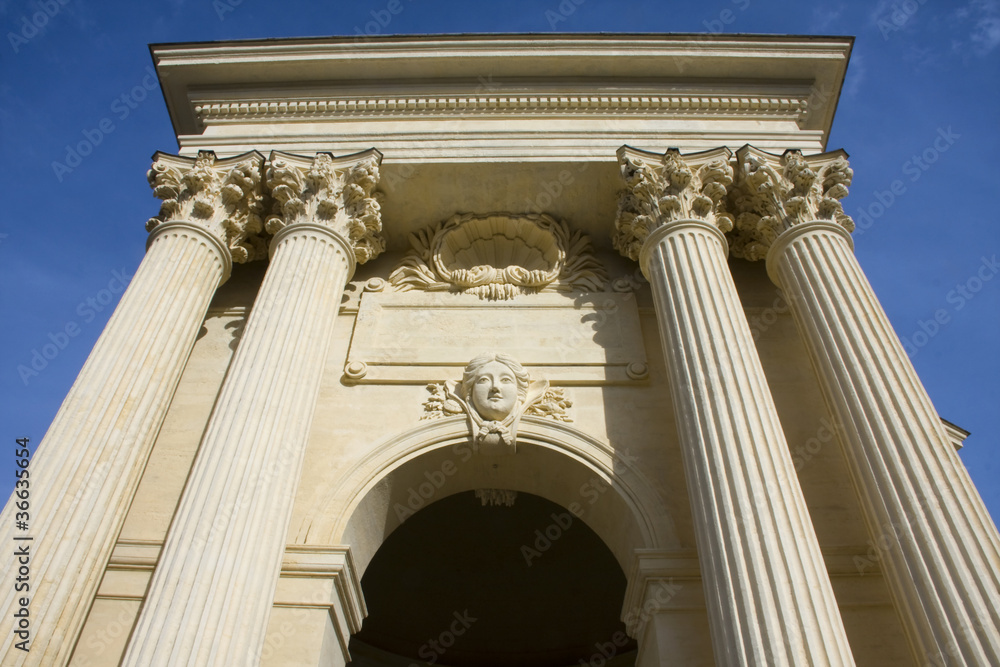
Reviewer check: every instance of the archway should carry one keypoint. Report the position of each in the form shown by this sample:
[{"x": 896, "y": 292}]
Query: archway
[
  {"x": 599, "y": 483},
  {"x": 601, "y": 486},
  {"x": 466, "y": 584}
]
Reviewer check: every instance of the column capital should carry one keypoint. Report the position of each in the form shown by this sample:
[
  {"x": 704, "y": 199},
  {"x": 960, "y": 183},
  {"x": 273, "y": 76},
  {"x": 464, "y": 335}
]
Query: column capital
[
  {"x": 221, "y": 196},
  {"x": 665, "y": 188},
  {"x": 335, "y": 192},
  {"x": 774, "y": 193}
]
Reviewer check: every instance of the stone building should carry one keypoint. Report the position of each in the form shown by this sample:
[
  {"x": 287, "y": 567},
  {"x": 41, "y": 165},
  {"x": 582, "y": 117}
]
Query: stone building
[{"x": 493, "y": 350}]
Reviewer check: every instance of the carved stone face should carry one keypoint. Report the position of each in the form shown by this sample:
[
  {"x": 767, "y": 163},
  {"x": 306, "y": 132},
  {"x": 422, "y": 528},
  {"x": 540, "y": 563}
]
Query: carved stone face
[{"x": 494, "y": 392}]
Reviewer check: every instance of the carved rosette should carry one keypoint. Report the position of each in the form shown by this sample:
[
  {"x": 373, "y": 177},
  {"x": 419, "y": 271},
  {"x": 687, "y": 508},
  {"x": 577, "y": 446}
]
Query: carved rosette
[
  {"x": 775, "y": 192},
  {"x": 669, "y": 187},
  {"x": 338, "y": 193},
  {"x": 222, "y": 196},
  {"x": 499, "y": 256}
]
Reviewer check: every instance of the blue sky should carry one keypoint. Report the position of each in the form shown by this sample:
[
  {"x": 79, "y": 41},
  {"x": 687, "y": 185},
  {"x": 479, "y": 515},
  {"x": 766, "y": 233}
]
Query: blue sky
[{"x": 919, "y": 116}]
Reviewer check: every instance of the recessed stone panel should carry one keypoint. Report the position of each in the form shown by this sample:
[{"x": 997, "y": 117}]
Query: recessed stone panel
[{"x": 418, "y": 337}]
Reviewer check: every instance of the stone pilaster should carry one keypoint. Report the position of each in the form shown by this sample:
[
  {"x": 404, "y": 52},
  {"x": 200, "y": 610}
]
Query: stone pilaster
[
  {"x": 212, "y": 591},
  {"x": 86, "y": 469},
  {"x": 939, "y": 551},
  {"x": 769, "y": 598}
]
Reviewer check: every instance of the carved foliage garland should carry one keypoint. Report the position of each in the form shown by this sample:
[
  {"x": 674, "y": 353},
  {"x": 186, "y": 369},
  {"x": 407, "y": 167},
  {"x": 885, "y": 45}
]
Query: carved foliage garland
[
  {"x": 223, "y": 195},
  {"x": 777, "y": 192},
  {"x": 337, "y": 193},
  {"x": 499, "y": 256},
  {"x": 662, "y": 189}
]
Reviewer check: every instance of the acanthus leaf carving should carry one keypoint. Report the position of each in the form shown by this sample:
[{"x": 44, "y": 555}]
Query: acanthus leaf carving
[
  {"x": 553, "y": 404},
  {"x": 440, "y": 404},
  {"x": 499, "y": 256},
  {"x": 336, "y": 192},
  {"x": 223, "y": 196},
  {"x": 669, "y": 187},
  {"x": 774, "y": 193}
]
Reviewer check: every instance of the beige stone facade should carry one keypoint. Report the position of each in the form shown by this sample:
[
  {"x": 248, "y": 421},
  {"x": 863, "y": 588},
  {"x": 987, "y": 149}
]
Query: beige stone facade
[{"x": 486, "y": 350}]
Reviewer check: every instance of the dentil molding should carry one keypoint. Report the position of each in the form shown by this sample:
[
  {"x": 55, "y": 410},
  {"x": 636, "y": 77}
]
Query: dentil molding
[{"x": 490, "y": 102}]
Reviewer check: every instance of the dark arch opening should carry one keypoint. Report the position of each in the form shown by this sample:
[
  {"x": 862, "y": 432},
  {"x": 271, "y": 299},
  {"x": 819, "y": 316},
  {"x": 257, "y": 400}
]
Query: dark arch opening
[{"x": 464, "y": 584}]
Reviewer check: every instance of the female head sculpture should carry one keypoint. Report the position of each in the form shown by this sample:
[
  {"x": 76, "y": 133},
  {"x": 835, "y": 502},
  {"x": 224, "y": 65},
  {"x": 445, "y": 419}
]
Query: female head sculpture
[
  {"x": 494, "y": 392},
  {"x": 494, "y": 384}
]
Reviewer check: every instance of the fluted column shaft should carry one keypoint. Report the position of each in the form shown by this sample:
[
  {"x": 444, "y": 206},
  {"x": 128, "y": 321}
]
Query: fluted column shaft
[
  {"x": 211, "y": 594},
  {"x": 88, "y": 466},
  {"x": 939, "y": 550},
  {"x": 769, "y": 597}
]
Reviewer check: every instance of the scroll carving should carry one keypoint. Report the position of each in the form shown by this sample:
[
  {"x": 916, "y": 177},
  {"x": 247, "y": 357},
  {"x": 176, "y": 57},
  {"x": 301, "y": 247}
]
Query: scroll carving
[
  {"x": 223, "y": 196},
  {"x": 499, "y": 256}
]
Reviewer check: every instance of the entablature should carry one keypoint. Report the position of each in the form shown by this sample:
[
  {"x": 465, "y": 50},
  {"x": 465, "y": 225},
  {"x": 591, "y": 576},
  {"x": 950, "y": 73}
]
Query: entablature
[{"x": 515, "y": 98}]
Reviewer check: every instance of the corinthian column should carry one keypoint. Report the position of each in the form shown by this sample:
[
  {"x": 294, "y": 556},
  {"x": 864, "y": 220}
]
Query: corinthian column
[
  {"x": 769, "y": 597},
  {"x": 87, "y": 467},
  {"x": 940, "y": 552},
  {"x": 211, "y": 594}
]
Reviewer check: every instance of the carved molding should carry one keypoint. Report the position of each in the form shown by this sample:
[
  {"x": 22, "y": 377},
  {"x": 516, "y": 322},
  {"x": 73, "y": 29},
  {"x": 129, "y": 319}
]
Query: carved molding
[
  {"x": 499, "y": 256},
  {"x": 338, "y": 193},
  {"x": 222, "y": 196},
  {"x": 776, "y": 192},
  {"x": 216, "y": 111},
  {"x": 669, "y": 187}
]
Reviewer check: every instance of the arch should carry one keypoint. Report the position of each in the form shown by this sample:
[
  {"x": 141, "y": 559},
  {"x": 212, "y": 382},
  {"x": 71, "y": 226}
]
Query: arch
[
  {"x": 542, "y": 601},
  {"x": 433, "y": 460}
]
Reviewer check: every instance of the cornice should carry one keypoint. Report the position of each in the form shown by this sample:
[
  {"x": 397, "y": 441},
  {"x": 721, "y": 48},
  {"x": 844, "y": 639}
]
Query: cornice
[
  {"x": 956, "y": 434},
  {"x": 791, "y": 76},
  {"x": 518, "y": 46}
]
